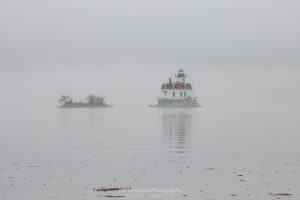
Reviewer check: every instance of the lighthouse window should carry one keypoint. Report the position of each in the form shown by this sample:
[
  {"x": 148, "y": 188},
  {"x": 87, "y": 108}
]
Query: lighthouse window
[
  {"x": 181, "y": 93},
  {"x": 185, "y": 93},
  {"x": 173, "y": 93},
  {"x": 165, "y": 92}
]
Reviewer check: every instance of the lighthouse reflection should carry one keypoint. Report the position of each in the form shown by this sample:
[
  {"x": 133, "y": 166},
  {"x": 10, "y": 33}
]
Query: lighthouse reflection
[{"x": 176, "y": 130}]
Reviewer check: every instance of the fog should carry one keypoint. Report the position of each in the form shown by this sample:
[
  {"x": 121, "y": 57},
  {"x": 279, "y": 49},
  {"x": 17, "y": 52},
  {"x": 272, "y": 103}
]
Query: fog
[
  {"x": 139, "y": 86},
  {"x": 93, "y": 33},
  {"x": 124, "y": 50},
  {"x": 242, "y": 58}
]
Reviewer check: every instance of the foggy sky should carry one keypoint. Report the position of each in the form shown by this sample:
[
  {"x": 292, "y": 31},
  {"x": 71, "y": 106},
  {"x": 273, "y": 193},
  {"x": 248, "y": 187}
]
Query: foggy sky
[
  {"x": 94, "y": 32},
  {"x": 236, "y": 52}
]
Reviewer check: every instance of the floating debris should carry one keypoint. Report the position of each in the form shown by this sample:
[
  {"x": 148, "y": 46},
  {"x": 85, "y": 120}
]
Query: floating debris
[
  {"x": 280, "y": 194},
  {"x": 110, "y": 189},
  {"x": 116, "y": 196}
]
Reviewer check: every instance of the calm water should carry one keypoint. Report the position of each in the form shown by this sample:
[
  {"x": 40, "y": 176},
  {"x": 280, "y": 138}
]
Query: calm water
[
  {"x": 56, "y": 153},
  {"x": 242, "y": 144}
]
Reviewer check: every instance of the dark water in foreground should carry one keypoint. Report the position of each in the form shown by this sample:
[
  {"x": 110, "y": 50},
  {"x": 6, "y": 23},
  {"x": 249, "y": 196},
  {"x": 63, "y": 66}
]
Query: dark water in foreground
[{"x": 202, "y": 153}]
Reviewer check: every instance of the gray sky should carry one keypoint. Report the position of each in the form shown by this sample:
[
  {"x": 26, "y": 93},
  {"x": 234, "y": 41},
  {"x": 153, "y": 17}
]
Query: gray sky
[
  {"x": 241, "y": 50},
  {"x": 96, "y": 32}
]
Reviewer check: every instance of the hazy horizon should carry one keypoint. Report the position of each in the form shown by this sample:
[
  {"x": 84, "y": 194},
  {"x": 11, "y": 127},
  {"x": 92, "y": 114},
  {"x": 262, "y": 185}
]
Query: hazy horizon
[
  {"x": 242, "y": 57},
  {"x": 74, "y": 33}
]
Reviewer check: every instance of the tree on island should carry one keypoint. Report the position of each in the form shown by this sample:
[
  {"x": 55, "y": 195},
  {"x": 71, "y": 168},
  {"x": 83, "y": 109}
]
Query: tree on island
[
  {"x": 65, "y": 100},
  {"x": 92, "y": 99}
]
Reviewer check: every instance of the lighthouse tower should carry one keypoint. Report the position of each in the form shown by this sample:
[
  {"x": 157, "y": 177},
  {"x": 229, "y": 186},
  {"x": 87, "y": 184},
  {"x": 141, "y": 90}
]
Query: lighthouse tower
[{"x": 180, "y": 76}]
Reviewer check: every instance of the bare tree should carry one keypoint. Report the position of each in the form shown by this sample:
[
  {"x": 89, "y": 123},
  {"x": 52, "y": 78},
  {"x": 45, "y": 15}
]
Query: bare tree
[
  {"x": 65, "y": 99},
  {"x": 92, "y": 99},
  {"x": 98, "y": 100}
]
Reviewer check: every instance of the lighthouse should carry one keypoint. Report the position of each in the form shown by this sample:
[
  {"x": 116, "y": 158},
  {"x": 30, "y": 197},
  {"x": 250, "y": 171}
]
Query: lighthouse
[{"x": 178, "y": 92}]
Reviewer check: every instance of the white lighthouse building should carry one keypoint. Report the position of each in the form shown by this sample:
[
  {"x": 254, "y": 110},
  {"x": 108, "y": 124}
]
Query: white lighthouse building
[{"x": 178, "y": 92}]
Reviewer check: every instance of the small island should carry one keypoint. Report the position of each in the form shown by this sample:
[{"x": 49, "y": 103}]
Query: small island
[{"x": 91, "y": 101}]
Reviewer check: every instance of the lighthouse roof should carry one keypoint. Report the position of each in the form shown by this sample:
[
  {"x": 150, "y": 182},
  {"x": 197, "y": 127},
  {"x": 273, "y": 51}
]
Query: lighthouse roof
[
  {"x": 179, "y": 84},
  {"x": 176, "y": 85}
]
